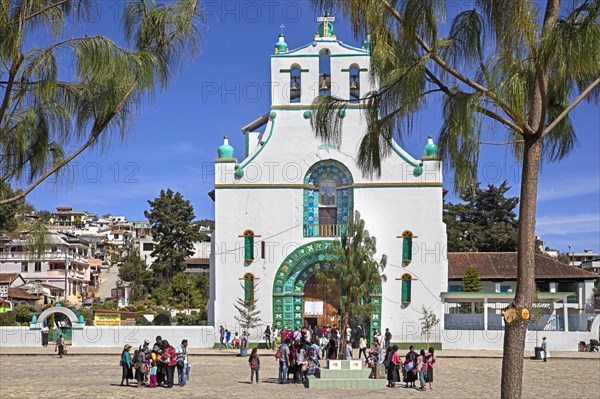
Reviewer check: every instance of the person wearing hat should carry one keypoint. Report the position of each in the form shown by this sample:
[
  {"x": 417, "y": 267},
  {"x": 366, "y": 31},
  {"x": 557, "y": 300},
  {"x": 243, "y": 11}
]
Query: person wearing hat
[
  {"x": 544, "y": 347},
  {"x": 126, "y": 365}
]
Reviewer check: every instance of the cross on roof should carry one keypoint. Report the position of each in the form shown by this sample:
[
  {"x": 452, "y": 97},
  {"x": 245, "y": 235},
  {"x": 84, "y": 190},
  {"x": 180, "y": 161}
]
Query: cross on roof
[
  {"x": 326, "y": 18},
  {"x": 282, "y": 28}
]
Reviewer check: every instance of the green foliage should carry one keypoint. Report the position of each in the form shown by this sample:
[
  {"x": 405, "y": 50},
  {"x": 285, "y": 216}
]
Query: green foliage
[
  {"x": 8, "y": 222},
  {"x": 193, "y": 319},
  {"x": 88, "y": 316},
  {"x": 7, "y": 319},
  {"x": 471, "y": 281},
  {"x": 357, "y": 272},
  {"x": 108, "y": 305},
  {"x": 44, "y": 216},
  {"x": 510, "y": 63},
  {"x": 172, "y": 219},
  {"x": 142, "y": 321},
  {"x": 43, "y": 109},
  {"x": 23, "y": 313},
  {"x": 134, "y": 270},
  {"x": 485, "y": 222},
  {"x": 162, "y": 318}
]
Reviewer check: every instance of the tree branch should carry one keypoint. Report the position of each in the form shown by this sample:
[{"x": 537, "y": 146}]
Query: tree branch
[
  {"x": 43, "y": 10},
  {"x": 438, "y": 60},
  {"x": 478, "y": 108},
  {"x": 11, "y": 79},
  {"x": 575, "y": 102},
  {"x": 97, "y": 130}
]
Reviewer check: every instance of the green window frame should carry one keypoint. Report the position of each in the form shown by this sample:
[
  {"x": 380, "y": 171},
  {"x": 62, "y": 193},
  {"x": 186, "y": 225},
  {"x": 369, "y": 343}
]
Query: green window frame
[
  {"x": 406, "y": 288},
  {"x": 249, "y": 245},
  {"x": 248, "y": 287},
  {"x": 407, "y": 237}
]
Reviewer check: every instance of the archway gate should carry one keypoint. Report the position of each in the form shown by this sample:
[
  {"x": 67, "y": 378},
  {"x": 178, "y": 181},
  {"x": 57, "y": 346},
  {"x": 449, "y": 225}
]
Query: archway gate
[{"x": 291, "y": 277}]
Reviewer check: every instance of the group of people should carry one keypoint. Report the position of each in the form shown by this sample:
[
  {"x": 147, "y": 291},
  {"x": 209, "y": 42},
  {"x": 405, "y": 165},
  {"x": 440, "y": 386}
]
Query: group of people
[
  {"x": 299, "y": 350},
  {"x": 155, "y": 366},
  {"x": 415, "y": 367},
  {"x": 232, "y": 341}
]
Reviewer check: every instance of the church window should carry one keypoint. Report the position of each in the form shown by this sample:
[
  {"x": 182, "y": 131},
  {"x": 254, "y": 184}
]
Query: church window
[
  {"x": 295, "y": 83},
  {"x": 248, "y": 287},
  {"x": 328, "y": 199},
  {"x": 324, "y": 72},
  {"x": 263, "y": 250},
  {"x": 407, "y": 237},
  {"x": 354, "y": 84},
  {"x": 406, "y": 288}
]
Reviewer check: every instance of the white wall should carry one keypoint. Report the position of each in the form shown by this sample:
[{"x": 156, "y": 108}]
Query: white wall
[
  {"x": 494, "y": 340},
  {"x": 114, "y": 337}
]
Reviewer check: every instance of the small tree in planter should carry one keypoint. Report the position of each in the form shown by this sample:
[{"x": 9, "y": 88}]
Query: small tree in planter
[
  {"x": 428, "y": 322},
  {"x": 248, "y": 312}
]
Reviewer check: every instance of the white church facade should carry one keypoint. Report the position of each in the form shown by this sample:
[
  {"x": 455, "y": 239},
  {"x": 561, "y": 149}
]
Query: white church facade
[
  {"x": 281, "y": 205},
  {"x": 288, "y": 196}
]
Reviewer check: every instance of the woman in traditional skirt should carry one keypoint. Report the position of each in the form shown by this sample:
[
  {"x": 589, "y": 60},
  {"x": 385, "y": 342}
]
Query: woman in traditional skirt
[
  {"x": 393, "y": 375},
  {"x": 430, "y": 361},
  {"x": 409, "y": 375}
]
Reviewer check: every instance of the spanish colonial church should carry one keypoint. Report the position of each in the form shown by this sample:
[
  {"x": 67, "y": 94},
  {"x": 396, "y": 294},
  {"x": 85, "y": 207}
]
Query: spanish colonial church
[{"x": 283, "y": 199}]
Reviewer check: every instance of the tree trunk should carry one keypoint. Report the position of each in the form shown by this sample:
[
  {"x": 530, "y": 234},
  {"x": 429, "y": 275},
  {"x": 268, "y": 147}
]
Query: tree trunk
[
  {"x": 342, "y": 332},
  {"x": 514, "y": 335}
]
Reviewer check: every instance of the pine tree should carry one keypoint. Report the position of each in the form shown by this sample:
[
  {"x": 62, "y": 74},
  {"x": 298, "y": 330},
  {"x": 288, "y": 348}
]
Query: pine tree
[
  {"x": 171, "y": 218},
  {"x": 248, "y": 312},
  {"x": 471, "y": 281},
  {"x": 485, "y": 222}
]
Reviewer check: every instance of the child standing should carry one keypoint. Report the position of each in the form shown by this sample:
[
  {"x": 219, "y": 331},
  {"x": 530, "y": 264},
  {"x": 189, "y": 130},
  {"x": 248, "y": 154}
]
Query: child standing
[
  {"x": 254, "y": 362},
  {"x": 153, "y": 371}
]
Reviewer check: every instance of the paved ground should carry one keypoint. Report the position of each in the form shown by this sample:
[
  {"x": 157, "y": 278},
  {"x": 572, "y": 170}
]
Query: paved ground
[
  {"x": 219, "y": 374},
  {"x": 108, "y": 281}
]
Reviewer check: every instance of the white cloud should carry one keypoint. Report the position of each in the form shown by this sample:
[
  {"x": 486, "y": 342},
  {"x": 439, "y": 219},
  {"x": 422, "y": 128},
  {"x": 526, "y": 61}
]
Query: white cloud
[
  {"x": 567, "y": 188},
  {"x": 563, "y": 225}
]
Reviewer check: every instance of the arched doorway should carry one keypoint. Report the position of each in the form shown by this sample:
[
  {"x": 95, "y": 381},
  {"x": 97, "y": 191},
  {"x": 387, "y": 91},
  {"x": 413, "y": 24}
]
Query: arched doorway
[
  {"x": 289, "y": 286},
  {"x": 72, "y": 322},
  {"x": 326, "y": 300}
]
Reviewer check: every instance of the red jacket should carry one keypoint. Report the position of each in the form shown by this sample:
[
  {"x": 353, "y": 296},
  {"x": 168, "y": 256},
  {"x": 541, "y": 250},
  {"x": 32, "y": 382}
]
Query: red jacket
[{"x": 170, "y": 356}]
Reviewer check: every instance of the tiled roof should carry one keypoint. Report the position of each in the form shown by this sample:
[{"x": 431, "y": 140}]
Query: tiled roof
[
  {"x": 503, "y": 265},
  {"x": 17, "y": 293},
  {"x": 7, "y": 278}
]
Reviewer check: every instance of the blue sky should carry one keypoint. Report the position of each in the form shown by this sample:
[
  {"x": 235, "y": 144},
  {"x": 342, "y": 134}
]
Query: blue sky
[{"x": 174, "y": 139}]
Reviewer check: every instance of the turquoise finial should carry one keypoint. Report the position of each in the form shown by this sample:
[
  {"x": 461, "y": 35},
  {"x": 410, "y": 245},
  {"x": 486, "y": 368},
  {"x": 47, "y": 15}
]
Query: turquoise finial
[
  {"x": 431, "y": 150},
  {"x": 81, "y": 319},
  {"x": 326, "y": 28},
  {"x": 281, "y": 46},
  {"x": 225, "y": 151},
  {"x": 367, "y": 44},
  {"x": 34, "y": 319}
]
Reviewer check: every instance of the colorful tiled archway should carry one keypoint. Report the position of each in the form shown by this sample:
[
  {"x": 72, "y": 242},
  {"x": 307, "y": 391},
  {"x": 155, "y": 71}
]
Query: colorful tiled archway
[{"x": 292, "y": 275}]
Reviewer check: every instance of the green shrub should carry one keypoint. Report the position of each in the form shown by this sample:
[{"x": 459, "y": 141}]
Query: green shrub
[
  {"x": 23, "y": 313},
  {"x": 142, "y": 321},
  {"x": 7, "y": 319}
]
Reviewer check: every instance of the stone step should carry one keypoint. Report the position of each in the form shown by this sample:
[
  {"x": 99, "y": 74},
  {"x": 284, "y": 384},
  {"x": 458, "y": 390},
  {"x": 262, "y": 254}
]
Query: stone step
[
  {"x": 344, "y": 374},
  {"x": 345, "y": 364},
  {"x": 346, "y": 383}
]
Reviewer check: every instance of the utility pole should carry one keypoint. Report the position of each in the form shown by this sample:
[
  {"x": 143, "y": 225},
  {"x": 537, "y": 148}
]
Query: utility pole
[{"x": 66, "y": 267}]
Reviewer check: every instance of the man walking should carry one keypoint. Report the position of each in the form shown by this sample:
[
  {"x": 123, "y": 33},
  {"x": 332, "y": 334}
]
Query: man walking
[
  {"x": 388, "y": 339},
  {"x": 181, "y": 353},
  {"x": 221, "y": 336},
  {"x": 544, "y": 349},
  {"x": 284, "y": 354}
]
